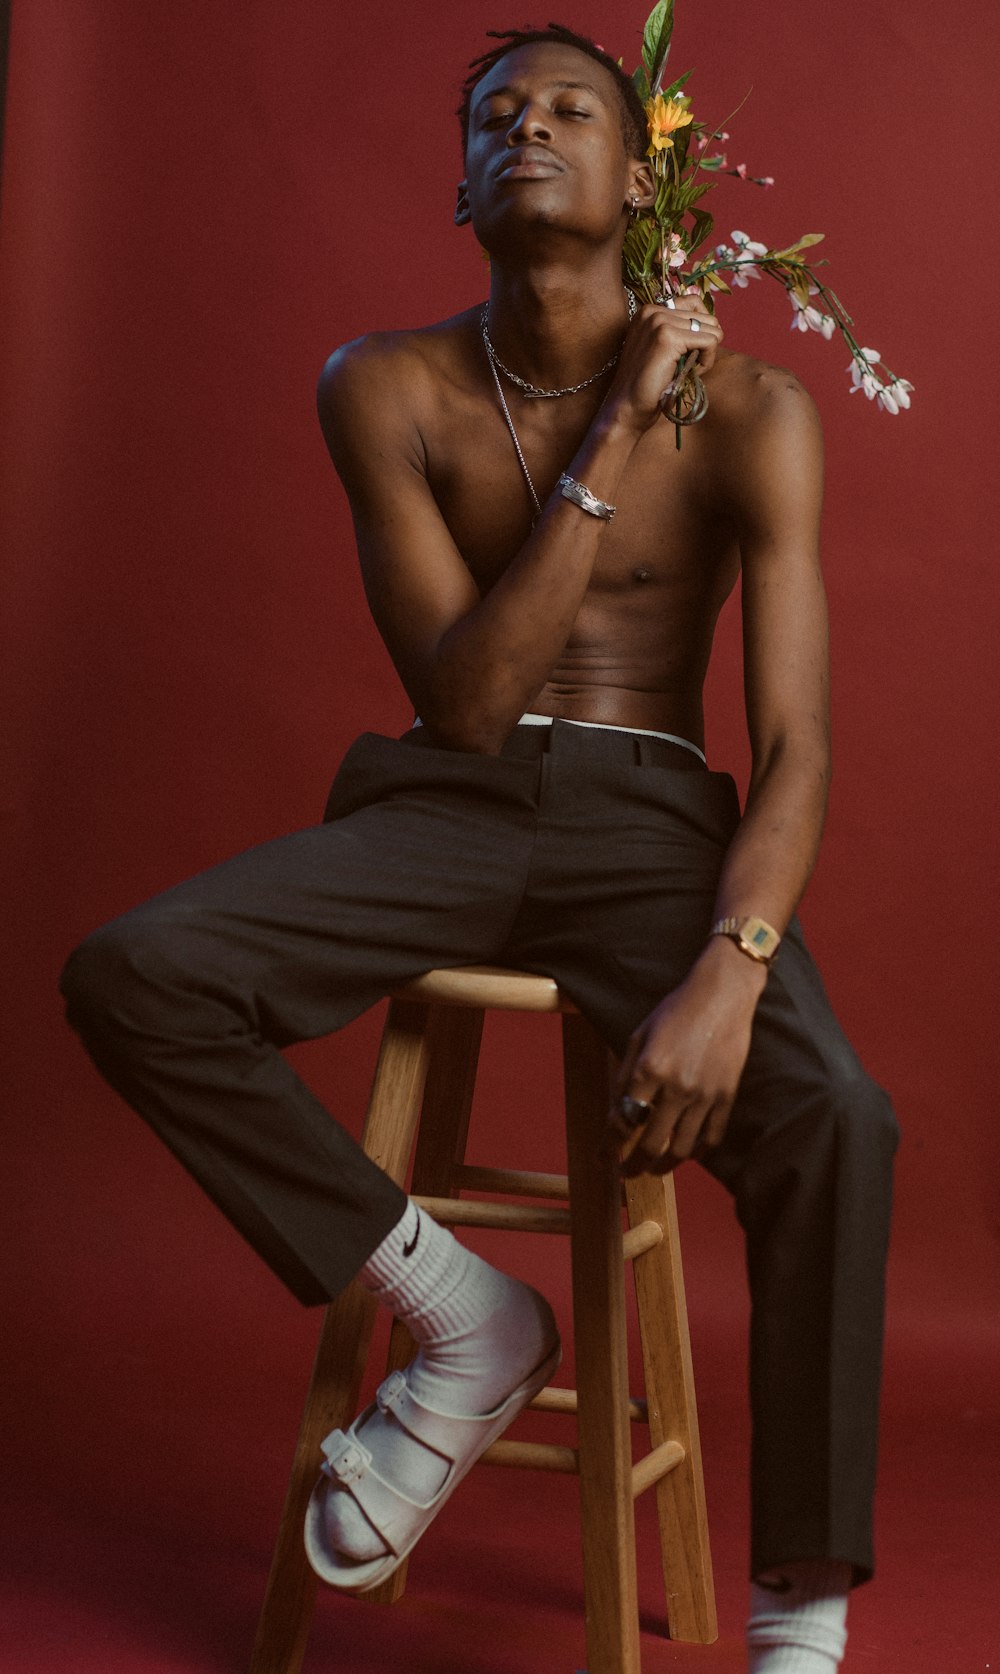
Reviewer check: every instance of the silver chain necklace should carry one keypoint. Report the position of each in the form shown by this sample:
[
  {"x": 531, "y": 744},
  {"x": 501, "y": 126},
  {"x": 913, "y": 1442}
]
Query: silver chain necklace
[
  {"x": 532, "y": 390},
  {"x": 545, "y": 394}
]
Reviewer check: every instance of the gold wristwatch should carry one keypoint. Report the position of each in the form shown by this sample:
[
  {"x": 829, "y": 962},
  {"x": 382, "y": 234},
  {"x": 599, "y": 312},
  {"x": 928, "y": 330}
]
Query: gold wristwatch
[{"x": 753, "y": 936}]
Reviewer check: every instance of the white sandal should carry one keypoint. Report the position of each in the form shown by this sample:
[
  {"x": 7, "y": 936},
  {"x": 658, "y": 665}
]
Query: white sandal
[{"x": 398, "y": 1520}]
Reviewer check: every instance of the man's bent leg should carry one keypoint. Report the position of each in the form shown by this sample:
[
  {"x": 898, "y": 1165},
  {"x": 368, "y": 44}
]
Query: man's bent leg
[{"x": 185, "y": 1002}]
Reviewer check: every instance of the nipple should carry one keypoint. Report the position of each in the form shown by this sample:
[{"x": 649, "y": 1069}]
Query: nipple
[{"x": 642, "y": 575}]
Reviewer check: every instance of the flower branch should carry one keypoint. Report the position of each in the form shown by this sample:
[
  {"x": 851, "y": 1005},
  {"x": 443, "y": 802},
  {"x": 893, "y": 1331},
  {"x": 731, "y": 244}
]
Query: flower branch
[{"x": 661, "y": 243}]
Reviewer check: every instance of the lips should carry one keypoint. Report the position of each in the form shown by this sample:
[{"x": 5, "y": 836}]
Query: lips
[{"x": 530, "y": 163}]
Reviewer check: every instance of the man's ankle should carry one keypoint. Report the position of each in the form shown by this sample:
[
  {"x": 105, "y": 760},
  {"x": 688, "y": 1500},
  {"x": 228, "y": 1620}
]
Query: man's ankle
[{"x": 798, "y": 1618}]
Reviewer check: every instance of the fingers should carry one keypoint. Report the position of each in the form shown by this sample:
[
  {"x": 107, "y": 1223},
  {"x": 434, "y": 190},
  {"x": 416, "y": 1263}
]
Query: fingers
[
  {"x": 658, "y": 341},
  {"x": 690, "y": 327},
  {"x": 653, "y": 1150},
  {"x": 678, "y": 1126}
]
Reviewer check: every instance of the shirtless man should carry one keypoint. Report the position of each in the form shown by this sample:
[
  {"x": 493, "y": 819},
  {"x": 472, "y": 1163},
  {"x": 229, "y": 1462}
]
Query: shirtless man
[{"x": 597, "y": 847}]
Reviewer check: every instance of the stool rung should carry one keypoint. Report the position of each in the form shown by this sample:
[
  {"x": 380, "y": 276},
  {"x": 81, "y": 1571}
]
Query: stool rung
[
  {"x": 509, "y": 1217},
  {"x": 533, "y": 1456},
  {"x": 518, "y": 1182},
  {"x": 641, "y": 1238},
  {"x": 565, "y": 1400},
  {"x": 664, "y": 1458}
]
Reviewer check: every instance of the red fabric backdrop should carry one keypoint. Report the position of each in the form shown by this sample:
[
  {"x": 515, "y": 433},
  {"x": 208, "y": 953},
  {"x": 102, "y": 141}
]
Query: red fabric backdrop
[{"x": 200, "y": 201}]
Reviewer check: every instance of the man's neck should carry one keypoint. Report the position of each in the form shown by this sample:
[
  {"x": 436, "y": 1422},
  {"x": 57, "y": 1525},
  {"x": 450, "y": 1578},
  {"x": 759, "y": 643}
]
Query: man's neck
[{"x": 556, "y": 325}]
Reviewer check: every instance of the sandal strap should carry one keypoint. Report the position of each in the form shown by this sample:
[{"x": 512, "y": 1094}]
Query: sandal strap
[
  {"x": 440, "y": 1431},
  {"x": 350, "y": 1464}
]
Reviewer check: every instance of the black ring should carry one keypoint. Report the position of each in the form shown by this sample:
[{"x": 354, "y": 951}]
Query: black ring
[{"x": 633, "y": 1112}]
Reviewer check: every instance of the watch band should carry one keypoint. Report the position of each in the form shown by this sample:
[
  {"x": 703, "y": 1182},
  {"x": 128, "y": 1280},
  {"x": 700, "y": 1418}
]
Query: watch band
[
  {"x": 753, "y": 936},
  {"x": 581, "y": 496}
]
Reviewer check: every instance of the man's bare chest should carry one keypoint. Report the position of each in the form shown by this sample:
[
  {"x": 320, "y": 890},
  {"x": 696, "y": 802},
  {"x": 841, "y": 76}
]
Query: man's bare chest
[{"x": 671, "y": 524}]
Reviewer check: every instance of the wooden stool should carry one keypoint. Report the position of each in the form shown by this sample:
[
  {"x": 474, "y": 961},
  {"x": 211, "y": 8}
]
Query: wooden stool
[{"x": 427, "y": 1065}]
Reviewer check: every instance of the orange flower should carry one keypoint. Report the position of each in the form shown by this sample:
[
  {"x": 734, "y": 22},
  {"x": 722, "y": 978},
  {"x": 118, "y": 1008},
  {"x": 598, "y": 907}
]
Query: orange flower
[{"x": 665, "y": 116}]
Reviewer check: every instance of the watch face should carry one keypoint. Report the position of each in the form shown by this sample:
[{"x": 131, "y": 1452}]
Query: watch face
[{"x": 759, "y": 936}]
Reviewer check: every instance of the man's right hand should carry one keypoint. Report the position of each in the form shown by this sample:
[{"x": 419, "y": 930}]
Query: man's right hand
[{"x": 657, "y": 340}]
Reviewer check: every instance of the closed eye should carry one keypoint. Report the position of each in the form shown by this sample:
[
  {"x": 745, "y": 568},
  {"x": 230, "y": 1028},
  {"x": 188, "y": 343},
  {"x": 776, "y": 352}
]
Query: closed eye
[{"x": 503, "y": 118}]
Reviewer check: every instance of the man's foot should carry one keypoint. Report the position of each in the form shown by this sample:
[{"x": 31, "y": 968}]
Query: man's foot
[
  {"x": 487, "y": 1344},
  {"x": 798, "y": 1618}
]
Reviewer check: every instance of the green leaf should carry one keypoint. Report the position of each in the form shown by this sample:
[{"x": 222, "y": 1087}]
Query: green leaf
[
  {"x": 675, "y": 86},
  {"x": 803, "y": 243},
  {"x": 646, "y": 79},
  {"x": 702, "y": 223},
  {"x": 656, "y": 41}
]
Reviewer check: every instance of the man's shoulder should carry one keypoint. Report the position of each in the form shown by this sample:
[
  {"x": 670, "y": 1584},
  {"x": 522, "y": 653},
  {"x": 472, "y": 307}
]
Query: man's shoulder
[
  {"x": 758, "y": 396},
  {"x": 401, "y": 362}
]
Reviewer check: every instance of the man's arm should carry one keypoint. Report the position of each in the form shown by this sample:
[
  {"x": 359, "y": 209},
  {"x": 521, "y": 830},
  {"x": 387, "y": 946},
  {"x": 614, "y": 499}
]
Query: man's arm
[
  {"x": 786, "y": 664},
  {"x": 690, "y": 1052},
  {"x": 472, "y": 664}
]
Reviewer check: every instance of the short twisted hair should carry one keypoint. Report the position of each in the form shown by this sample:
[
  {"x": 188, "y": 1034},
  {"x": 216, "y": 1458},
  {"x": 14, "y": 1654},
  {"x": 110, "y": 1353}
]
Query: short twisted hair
[{"x": 633, "y": 115}]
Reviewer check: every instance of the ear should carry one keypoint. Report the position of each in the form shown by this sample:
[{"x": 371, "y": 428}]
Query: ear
[
  {"x": 641, "y": 184},
  {"x": 463, "y": 214}
]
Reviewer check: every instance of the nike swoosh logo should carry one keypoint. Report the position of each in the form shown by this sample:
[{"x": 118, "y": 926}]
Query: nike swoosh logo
[{"x": 408, "y": 1249}]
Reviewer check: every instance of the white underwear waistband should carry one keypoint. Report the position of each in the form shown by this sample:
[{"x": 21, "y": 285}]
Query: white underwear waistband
[{"x": 603, "y": 726}]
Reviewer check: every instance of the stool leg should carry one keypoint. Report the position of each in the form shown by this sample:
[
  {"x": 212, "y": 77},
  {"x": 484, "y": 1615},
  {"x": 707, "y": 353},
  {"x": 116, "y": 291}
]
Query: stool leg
[
  {"x": 673, "y": 1413},
  {"x": 456, "y": 1035},
  {"x": 607, "y": 1517},
  {"x": 397, "y": 1090}
]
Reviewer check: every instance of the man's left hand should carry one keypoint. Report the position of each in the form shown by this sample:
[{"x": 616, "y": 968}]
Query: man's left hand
[{"x": 685, "y": 1061}]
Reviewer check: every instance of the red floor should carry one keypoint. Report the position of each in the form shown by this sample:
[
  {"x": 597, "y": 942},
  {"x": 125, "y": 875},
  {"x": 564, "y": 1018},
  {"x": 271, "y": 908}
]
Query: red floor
[{"x": 139, "y": 1533}]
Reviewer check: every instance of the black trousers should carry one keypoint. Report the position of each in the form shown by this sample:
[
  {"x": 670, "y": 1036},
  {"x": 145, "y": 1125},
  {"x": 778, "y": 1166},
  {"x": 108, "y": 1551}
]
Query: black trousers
[{"x": 592, "y": 856}]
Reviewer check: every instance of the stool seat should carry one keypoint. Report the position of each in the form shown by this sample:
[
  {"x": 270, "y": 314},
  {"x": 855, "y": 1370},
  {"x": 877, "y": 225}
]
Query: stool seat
[
  {"x": 489, "y": 986},
  {"x": 420, "y": 1104}
]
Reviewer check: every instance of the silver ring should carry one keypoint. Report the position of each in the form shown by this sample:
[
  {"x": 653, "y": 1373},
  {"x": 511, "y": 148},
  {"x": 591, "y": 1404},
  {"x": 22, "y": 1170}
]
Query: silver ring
[
  {"x": 695, "y": 325},
  {"x": 633, "y": 1112},
  {"x": 668, "y": 302}
]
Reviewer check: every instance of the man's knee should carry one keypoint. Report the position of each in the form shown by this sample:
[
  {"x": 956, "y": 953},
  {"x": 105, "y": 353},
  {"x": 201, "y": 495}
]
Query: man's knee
[
  {"x": 108, "y": 981},
  {"x": 861, "y": 1113}
]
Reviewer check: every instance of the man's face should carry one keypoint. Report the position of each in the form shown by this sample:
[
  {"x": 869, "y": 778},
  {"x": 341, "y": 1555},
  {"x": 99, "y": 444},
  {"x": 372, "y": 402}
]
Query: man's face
[{"x": 545, "y": 146}]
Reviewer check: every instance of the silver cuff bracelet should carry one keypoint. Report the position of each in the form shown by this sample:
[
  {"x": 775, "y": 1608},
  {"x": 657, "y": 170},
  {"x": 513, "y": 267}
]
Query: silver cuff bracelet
[{"x": 581, "y": 496}]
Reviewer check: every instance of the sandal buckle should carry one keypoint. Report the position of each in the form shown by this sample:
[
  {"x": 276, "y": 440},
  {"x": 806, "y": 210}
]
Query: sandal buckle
[
  {"x": 346, "y": 1459},
  {"x": 389, "y": 1391}
]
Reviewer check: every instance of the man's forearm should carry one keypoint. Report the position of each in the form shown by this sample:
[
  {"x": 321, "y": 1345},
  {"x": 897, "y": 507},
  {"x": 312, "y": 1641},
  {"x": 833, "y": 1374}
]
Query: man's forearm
[
  {"x": 493, "y": 661},
  {"x": 772, "y": 855}
]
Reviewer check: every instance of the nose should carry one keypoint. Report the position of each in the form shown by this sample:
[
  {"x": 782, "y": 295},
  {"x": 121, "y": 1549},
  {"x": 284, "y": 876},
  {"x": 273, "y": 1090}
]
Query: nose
[{"x": 531, "y": 123}]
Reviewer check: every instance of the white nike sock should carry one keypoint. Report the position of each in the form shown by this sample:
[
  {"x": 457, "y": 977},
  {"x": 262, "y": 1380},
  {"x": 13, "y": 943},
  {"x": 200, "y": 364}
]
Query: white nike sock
[
  {"x": 430, "y": 1280},
  {"x": 800, "y": 1628},
  {"x": 481, "y": 1334}
]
